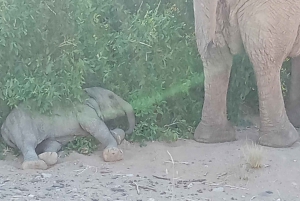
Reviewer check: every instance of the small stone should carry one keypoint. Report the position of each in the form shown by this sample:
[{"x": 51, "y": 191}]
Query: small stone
[
  {"x": 151, "y": 199},
  {"x": 41, "y": 195},
  {"x": 266, "y": 193},
  {"x": 31, "y": 196},
  {"x": 18, "y": 192},
  {"x": 218, "y": 189},
  {"x": 59, "y": 185},
  {"x": 36, "y": 179},
  {"x": 46, "y": 175},
  {"x": 190, "y": 185}
]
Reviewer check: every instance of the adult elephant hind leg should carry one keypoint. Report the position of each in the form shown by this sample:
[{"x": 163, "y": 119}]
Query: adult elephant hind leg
[
  {"x": 47, "y": 151},
  {"x": 214, "y": 126},
  {"x": 293, "y": 102},
  {"x": 90, "y": 122},
  {"x": 275, "y": 127},
  {"x": 267, "y": 57}
]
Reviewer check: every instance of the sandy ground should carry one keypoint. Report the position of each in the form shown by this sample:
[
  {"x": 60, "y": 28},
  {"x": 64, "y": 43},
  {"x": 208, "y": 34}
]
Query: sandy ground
[{"x": 212, "y": 172}]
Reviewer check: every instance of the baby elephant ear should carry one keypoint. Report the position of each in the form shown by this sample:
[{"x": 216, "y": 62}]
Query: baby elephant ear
[{"x": 118, "y": 134}]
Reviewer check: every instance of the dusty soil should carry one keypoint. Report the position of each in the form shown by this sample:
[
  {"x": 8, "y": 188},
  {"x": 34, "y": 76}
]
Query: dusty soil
[{"x": 213, "y": 172}]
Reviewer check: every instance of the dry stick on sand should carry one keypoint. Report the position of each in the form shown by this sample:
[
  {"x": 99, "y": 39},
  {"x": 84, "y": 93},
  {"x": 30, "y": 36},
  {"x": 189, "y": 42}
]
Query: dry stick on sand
[
  {"x": 181, "y": 181},
  {"x": 185, "y": 163},
  {"x": 229, "y": 186},
  {"x": 173, "y": 175},
  {"x": 137, "y": 187},
  {"x": 191, "y": 181},
  {"x": 142, "y": 187},
  {"x": 163, "y": 178},
  {"x": 87, "y": 167}
]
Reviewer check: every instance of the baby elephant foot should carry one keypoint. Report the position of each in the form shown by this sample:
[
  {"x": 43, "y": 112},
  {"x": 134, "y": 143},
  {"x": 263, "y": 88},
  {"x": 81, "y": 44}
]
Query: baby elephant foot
[
  {"x": 50, "y": 158},
  {"x": 38, "y": 165},
  {"x": 112, "y": 154}
]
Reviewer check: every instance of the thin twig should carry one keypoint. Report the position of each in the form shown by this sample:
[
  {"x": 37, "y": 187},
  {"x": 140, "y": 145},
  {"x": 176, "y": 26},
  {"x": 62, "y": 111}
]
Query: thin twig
[
  {"x": 163, "y": 178},
  {"x": 173, "y": 174},
  {"x": 191, "y": 181},
  {"x": 214, "y": 184},
  {"x": 223, "y": 174},
  {"x": 140, "y": 7},
  {"x": 137, "y": 187},
  {"x": 142, "y": 43},
  {"x": 235, "y": 187},
  {"x": 145, "y": 44},
  {"x": 148, "y": 188},
  {"x": 87, "y": 167},
  {"x": 50, "y": 8},
  {"x": 185, "y": 163},
  {"x": 229, "y": 186},
  {"x": 171, "y": 124},
  {"x": 144, "y": 187}
]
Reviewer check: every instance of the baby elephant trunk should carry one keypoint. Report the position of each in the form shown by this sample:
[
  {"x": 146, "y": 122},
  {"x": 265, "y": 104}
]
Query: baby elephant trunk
[
  {"x": 129, "y": 113},
  {"x": 109, "y": 106}
]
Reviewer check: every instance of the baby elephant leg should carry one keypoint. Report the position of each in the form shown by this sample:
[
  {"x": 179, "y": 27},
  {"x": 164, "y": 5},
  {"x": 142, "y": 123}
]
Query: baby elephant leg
[
  {"x": 47, "y": 151},
  {"x": 90, "y": 122},
  {"x": 27, "y": 146},
  {"x": 31, "y": 160}
]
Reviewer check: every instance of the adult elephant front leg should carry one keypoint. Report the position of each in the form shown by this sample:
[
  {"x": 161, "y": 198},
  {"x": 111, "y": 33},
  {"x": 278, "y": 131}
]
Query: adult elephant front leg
[{"x": 214, "y": 126}]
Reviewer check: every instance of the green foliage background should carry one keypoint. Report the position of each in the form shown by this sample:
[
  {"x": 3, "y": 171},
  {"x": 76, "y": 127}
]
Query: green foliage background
[{"x": 143, "y": 50}]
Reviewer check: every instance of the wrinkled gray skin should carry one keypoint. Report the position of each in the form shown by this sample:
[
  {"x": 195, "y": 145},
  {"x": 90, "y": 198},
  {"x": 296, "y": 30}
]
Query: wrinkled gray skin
[
  {"x": 268, "y": 30},
  {"x": 39, "y": 137},
  {"x": 117, "y": 106}
]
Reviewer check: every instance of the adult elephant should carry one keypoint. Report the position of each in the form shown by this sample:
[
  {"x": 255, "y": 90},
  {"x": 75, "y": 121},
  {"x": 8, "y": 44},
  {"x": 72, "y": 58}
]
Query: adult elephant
[{"x": 268, "y": 30}]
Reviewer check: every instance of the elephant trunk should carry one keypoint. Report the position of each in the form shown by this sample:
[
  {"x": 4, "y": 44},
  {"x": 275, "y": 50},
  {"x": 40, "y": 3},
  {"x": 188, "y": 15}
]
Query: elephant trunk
[{"x": 128, "y": 109}]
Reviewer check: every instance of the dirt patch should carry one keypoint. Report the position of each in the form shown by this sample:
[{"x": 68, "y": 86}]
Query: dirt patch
[{"x": 200, "y": 172}]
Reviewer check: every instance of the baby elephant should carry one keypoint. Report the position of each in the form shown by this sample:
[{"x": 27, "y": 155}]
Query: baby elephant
[{"x": 40, "y": 137}]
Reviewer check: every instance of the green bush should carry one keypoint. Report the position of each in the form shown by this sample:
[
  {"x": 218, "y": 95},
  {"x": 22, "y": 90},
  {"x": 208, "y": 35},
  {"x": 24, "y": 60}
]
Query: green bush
[
  {"x": 143, "y": 50},
  {"x": 41, "y": 63}
]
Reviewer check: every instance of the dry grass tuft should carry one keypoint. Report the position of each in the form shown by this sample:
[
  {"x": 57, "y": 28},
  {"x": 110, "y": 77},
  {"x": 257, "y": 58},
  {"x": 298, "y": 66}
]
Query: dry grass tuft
[{"x": 253, "y": 154}]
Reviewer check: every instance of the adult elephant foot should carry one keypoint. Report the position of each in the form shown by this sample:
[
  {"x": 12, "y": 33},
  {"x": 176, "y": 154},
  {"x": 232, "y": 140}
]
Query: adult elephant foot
[
  {"x": 279, "y": 137},
  {"x": 214, "y": 133},
  {"x": 112, "y": 154}
]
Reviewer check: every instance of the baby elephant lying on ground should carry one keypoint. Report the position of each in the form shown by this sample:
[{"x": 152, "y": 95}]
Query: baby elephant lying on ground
[{"x": 40, "y": 137}]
